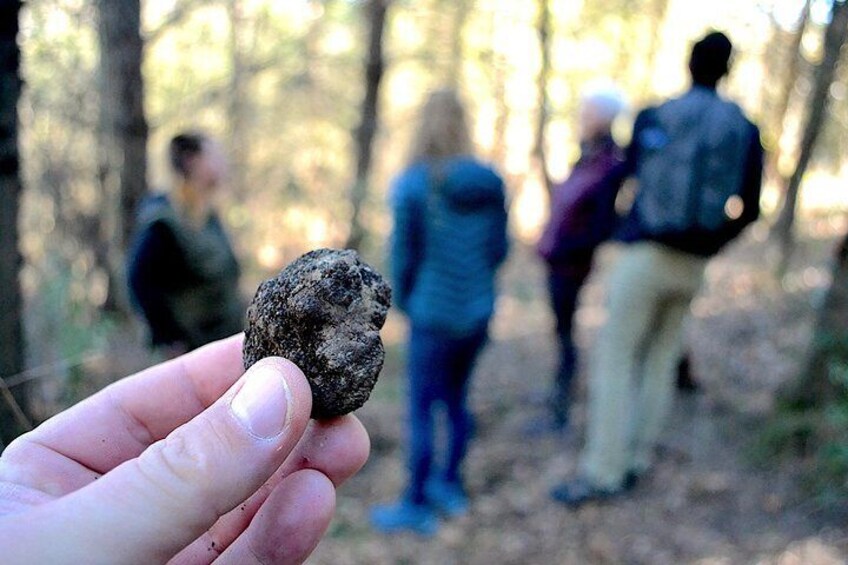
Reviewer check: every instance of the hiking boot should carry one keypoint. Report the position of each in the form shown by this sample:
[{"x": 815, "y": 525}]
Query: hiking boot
[
  {"x": 447, "y": 497},
  {"x": 404, "y": 516},
  {"x": 579, "y": 491}
]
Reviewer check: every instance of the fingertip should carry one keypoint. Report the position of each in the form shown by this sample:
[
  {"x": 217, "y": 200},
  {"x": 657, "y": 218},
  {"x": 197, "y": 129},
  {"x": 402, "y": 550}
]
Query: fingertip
[
  {"x": 338, "y": 448},
  {"x": 292, "y": 520},
  {"x": 359, "y": 443}
]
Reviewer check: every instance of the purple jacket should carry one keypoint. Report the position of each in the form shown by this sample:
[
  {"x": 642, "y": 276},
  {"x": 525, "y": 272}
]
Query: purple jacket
[{"x": 582, "y": 210}]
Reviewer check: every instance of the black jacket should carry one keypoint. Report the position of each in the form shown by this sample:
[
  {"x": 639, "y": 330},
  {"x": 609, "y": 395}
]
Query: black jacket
[{"x": 183, "y": 280}]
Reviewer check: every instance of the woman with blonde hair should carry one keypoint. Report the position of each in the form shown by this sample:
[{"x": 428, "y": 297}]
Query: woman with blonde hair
[
  {"x": 183, "y": 274},
  {"x": 448, "y": 240}
]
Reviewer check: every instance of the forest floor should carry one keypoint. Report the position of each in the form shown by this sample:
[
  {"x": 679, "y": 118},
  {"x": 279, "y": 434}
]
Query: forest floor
[{"x": 709, "y": 499}]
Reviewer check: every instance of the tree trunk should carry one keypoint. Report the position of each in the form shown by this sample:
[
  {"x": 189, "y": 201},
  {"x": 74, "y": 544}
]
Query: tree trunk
[
  {"x": 104, "y": 223},
  {"x": 237, "y": 98},
  {"x": 11, "y": 322},
  {"x": 539, "y": 151},
  {"x": 825, "y": 370},
  {"x": 792, "y": 65},
  {"x": 499, "y": 141},
  {"x": 375, "y": 11},
  {"x": 818, "y": 102},
  {"x": 456, "y": 58},
  {"x": 658, "y": 11},
  {"x": 123, "y": 127}
]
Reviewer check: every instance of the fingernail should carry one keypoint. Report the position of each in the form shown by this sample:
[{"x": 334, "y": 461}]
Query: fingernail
[{"x": 262, "y": 402}]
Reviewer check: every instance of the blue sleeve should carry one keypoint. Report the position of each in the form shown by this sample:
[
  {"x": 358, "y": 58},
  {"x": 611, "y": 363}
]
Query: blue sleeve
[
  {"x": 634, "y": 150},
  {"x": 407, "y": 241},
  {"x": 750, "y": 191},
  {"x": 154, "y": 266},
  {"x": 633, "y": 153},
  {"x": 500, "y": 241}
]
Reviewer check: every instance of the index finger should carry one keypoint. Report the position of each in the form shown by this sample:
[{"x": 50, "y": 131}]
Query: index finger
[{"x": 122, "y": 420}]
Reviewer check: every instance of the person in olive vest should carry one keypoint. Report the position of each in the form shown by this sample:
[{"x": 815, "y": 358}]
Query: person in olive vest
[{"x": 183, "y": 274}]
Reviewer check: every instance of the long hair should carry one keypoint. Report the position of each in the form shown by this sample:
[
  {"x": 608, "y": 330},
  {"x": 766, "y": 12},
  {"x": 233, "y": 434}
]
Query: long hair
[{"x": 442, "y": 129}]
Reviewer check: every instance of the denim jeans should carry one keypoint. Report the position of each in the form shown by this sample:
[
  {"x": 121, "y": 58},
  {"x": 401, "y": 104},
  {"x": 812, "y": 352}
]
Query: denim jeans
[
  {"x": 438, "y": 368},
  {"x": 564, "y": 291}
]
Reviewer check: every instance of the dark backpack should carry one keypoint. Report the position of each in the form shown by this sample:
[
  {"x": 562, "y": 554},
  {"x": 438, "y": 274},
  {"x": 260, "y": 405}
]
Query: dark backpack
[{"x": 691, "y": 166}]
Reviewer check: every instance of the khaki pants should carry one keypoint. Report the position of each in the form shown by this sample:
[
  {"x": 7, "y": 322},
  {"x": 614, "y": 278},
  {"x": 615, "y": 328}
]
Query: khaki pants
[{"x": 631, "y": 378}]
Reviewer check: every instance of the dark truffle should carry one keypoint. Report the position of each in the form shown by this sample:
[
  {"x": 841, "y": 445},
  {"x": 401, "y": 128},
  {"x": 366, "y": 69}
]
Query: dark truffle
[{"x": 323, "y": 312}]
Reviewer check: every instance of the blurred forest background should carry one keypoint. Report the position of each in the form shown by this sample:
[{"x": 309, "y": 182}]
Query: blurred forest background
[{"x": 315, "y": 101}]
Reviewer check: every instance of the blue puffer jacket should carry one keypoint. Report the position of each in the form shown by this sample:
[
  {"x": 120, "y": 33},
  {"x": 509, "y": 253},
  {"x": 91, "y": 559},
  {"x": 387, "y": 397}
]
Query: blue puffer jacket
[{"x": 449, "y": 239}]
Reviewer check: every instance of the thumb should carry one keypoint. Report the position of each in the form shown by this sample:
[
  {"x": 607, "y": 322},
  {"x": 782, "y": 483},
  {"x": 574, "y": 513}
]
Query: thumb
[{"x": 149, "y": 508}]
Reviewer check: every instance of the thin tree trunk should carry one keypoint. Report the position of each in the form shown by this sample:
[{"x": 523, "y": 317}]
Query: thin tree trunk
[
  {"x": 375, "y": 11},
  {"x": 819, "y": 376},
  {"x": 237, "y": 97},
  {"x": 106, "y": 220},
  {"x": 499, "y": 143},
  {"x": 659, "y": 9},
  {"x": 496, "y": 63},
  {"x": 124, "y": 127},
  {"x": 544, "y": 31},
  {"x": 792, "y": 64},
  {"x": 454, "y": 72},
  {"x": 817, "y": 104},
  {"x": 11, "y": 302}
]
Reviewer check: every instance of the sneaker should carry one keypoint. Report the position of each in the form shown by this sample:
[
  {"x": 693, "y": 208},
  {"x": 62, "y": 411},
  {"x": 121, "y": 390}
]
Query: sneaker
[
  {"x": 448, "y": 497},
  {"x": 579, "y": 491},
  {"x": 404, "y": 516}
]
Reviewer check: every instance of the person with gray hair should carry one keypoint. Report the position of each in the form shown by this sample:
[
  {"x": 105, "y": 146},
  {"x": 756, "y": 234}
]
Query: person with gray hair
[
  {"x": 698, "y": 163},
  {"x": 582, "y": 217},
  {"x": 605, "y": 102}
]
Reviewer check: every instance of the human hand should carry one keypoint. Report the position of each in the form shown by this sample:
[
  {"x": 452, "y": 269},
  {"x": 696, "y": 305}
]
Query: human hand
[
  {"x": 188, "y": 461},
  {"x": 173, "y": 350}
]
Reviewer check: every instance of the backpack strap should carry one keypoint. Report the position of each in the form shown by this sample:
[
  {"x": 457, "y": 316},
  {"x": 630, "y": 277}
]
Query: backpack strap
[{"x": 694, "y": 204}]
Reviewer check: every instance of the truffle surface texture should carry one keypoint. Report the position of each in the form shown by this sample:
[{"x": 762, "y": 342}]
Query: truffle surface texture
[{"x": 323, "y": 312}]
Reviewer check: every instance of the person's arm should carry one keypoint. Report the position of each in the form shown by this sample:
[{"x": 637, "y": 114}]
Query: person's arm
[
  {"x": 407, "y": 242},
  {"x": 500, "y": 241},
  {"x": 751, "y": 186},
  {"x": 548, "y": 248},
  {"x": 752, "y": 180},
  {"x": 600, "y": 210},
  {"x": 588, "y": 223},
  {"x": 634, "y": 150},
  {"x": 155, "y": 266}
]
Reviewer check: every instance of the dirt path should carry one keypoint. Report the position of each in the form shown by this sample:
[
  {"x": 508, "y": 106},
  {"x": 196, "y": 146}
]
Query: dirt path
[{"x": 705, "y": 501}]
